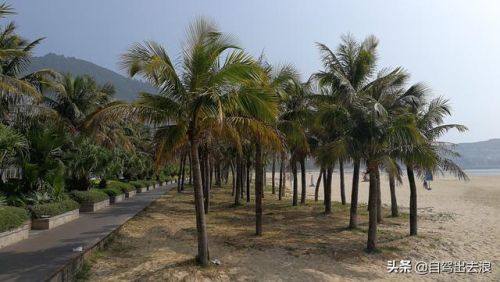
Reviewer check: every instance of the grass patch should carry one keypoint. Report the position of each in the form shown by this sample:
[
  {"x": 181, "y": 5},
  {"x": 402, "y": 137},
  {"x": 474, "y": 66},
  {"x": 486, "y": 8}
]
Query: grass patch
[{"x": 84, "y": 273}]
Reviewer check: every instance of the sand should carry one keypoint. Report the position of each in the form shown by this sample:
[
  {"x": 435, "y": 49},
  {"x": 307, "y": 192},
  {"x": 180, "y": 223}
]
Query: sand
[{"x": 458, "y": 221}]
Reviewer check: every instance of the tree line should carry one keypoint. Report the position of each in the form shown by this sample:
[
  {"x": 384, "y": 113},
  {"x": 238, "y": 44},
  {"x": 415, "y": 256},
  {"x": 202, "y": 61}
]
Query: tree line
[{"x": 223, "y": 115}]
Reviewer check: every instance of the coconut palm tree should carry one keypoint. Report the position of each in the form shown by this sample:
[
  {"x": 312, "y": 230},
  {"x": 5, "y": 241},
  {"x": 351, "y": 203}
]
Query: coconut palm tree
[
  {"x": 17, "y": 88},
  {"x": 194, "y": 100},
  {"x": 76, "y": 98},
  {"x": 385, "y": 128},
  {"x": 293, "y": 123},
  {"x": 13, "y": 148},
  {"x": 348, "y": 71},
  {"x": 271, "y": 83},
  {"x": 432, "y": 155}
]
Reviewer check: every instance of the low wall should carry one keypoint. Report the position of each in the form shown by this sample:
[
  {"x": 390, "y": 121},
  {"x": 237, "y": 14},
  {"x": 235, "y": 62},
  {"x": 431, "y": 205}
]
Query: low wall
[
  {"x": 54, "y": 221},
  {"x": 15, "y": 235},
  {"x": 92, "y": 207}
]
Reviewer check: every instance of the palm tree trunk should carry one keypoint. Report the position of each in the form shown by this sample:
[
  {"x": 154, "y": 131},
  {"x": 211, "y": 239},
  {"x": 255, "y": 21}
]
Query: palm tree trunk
[
  {"x": 208, "y": 183},
  {"x": 281, "y": 183},
  {"x": 353, "y": 219},
  {"x": 259, "y": 186},
  {"x": 243, "y": 178},
  {"x": 179, "y": 175},
  {"x": 248, "y": 179},
  {"x": 318, "y": 182},
  {"x": 372, "y": 203},
  {"x": 342, "y": 182},
  {"x": 327, "y": 179},
  {"x": 413, "y": 200},
  {"x": 234, "y": 178},
  {"x": 190, "y": 170},
  {"x": 295, "y": 184},
  {"x": 394, "y": 202},
  {"x": 379, "y": 198},
  {"x": 272, "y": 175},
  {"x": 201, "y": 227},
  {"x": 303, "y": 180},
  {"x": 283, "y": 190},
  {"x": 183, "y": 174},
  {"x": 237, "y": 193}
]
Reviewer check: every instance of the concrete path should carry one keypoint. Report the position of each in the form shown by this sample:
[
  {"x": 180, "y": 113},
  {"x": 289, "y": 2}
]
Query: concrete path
[{"x": 44, "y": 252}]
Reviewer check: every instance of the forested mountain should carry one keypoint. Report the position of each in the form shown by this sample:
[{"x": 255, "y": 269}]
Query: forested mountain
[{"x": 126, "y": 89}]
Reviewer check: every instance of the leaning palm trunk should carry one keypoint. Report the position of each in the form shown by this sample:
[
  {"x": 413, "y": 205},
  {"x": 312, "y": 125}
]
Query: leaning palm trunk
[
  {"x": 342, "y": 182},
  {"x": 259, "y": 187},
  {"x": 303, "y": 180},
  {"x": 372, "y": 203},
  {"x": 318, "y": 182},
  {"x": 353, "y": 220},
  {"x": 394, "y": 202},
  {"x": 413, "y": 200},
  {"x": 201, "y": 227}
]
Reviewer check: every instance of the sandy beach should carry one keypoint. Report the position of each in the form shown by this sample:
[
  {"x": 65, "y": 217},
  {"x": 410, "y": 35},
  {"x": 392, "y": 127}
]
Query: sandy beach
[
  {"x": 458, "y": 221},
  {"x": 465, "y": 215}
]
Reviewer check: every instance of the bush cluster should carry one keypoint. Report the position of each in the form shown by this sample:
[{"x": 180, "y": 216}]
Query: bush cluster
[
  {"x": 142, "y": 183},
  {"x": 90, "y": 196},
  {"x": 112, "y": 192},
  {"x": 12, "y": 217},
  {"x": 120, "y": 186},
  {"x": 53, "y": 209}
]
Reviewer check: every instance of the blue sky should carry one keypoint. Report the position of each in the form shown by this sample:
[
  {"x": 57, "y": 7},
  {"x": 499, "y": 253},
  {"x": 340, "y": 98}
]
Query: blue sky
[{"x": 453, "y": 46}]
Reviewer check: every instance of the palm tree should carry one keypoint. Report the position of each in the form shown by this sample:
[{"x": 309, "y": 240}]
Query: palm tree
[
  {"x": 389, "y": 129},
  {"x": 293, "y": 123},
  {"x": 194, "y": 103},
  {"x": 75, "y": 99},
  {"x": 329, "y": 132},
  {"x": 348, "y": 71},
  {"x": 16, "y": 88},
  {"x": 271, "y": 84},
  {"x": 432, "y": 155},
  {"x": 13, "y": 148}
]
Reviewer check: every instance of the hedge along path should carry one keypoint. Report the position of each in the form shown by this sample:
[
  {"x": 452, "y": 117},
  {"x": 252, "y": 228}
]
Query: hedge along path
[{"x": 45, "y": 252}]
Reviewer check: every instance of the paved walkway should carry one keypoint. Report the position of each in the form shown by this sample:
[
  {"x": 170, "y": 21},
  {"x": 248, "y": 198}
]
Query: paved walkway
[{"x": 39, "y": 256}]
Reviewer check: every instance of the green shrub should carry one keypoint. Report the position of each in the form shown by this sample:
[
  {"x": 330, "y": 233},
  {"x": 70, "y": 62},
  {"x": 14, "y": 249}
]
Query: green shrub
[
  {"x": 137, "y": 183},
  {"x": 90, "y": 196},
  {"x": 53, "y": 209},
  {"x": 12, "y": 217},
  {"x": 112, "y": 192},
  {"x": 121, "y": 186}
]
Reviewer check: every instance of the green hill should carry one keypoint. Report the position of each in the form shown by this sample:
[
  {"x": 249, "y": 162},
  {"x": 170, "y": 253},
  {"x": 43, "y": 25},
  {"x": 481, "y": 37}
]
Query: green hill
[{"x": 126, "y": 88}]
